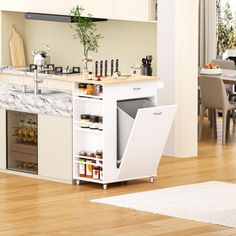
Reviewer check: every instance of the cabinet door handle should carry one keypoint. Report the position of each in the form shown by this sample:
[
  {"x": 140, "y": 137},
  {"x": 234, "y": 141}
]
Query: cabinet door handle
[
  {"x": 157, "y": 113},
  {"x": 136, "y": 89}
]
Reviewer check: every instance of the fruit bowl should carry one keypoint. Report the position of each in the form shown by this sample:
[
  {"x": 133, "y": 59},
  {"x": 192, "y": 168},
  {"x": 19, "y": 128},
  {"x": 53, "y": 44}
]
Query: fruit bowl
[{"x": 205, "y": 71}]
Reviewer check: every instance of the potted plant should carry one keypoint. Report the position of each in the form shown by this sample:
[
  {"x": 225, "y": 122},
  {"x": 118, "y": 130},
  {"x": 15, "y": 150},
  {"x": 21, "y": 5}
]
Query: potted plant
[{"x": 86, "y": 30}]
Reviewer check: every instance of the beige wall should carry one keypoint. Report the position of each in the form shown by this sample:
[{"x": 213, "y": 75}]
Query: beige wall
[
  {"x": 124, "y": 40},
  {"x": 7, "y": 19},
  {"x": 127, "y": 41}
]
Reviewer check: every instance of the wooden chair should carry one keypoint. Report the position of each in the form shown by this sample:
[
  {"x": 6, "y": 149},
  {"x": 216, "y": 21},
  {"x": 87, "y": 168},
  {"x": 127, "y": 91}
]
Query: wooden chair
[{"x": 214, "y": 96}]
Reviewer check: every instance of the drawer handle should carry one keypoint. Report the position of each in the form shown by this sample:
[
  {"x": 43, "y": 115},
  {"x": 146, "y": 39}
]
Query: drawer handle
[
  {"x": 157, "y": 113},
  {"x": 136, "y": 89}
]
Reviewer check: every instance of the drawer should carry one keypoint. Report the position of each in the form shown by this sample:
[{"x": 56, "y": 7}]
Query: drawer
[
  {"x": 24, "y": 157},
  {"x": 137, "y": 90},
  {"x": 62, "y": 85},
  {"x": 24, "y": 148}
]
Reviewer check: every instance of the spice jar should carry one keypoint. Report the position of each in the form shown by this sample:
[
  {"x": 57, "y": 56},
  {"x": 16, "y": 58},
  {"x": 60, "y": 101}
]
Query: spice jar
[
  {"x": 82, "y": 89},
  {"x": 82, "y": 168},
  {"x": 99, "y": 156},
  {"x": 94, "y": 122},
  {"x": 85, "y": 118},
  {"x": 100, "y": 126},
  {"x": 101, "y": 91},
  {"x": 101, "y": 173},
  {"x": 82, "y": 153},
  {"x": 91, "y": 154},
  {"x": 96, "y": 173},
  {"x": 90, "y": 89},
  {"x": 89, "y": 169}
]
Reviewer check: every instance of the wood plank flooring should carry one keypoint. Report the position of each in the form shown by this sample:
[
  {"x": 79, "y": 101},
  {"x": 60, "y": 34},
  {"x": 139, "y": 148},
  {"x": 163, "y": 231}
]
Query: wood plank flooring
[{"x": 36, "y": 207}]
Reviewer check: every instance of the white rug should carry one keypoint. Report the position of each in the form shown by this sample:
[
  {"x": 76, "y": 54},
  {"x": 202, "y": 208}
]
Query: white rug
[{"x": 209, "y": 202}]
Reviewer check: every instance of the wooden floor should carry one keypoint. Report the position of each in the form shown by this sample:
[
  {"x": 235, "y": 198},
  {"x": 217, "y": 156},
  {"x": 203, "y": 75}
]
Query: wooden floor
[{"x": 36, "y": 207}]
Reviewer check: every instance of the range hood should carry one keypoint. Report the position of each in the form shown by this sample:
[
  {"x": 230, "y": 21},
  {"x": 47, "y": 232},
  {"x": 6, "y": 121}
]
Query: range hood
[{"x": 52, "y": 17}]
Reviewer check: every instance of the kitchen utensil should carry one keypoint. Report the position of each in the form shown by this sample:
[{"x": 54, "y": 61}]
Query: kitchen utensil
[
  {"x": 117, "y": 65},
  {"x": 112, "y": 67},
  {"x": 96, "y": 68},
  {"x": 144, "y": 61},
  {"x": 101, "y": 68},
  {"x": 17, "y": 49},
  {"x": 42, "y": 57},
  {"x": 105, "y": 68},
  {"x": 149, "y": 59}
]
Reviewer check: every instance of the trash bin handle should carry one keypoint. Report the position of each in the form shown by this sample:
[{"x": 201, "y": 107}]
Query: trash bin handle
[{"x": 157, "y": 113}]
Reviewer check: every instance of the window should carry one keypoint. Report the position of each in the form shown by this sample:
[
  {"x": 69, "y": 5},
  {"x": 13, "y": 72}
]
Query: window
[{"x": 226, "y": 26}]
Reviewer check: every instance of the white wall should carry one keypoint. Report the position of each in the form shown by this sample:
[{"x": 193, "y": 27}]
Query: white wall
[{"x": 177, "y": 67}]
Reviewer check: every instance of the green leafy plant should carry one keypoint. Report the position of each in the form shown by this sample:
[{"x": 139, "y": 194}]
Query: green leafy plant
[
  {"x": 86, "y": 30},
  {"x": 226, "y": 27}
]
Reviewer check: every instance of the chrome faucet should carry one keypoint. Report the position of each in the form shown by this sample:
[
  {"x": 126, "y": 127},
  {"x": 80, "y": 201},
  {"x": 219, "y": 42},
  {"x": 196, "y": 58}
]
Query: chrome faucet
[{"x": 37, "y": 80}]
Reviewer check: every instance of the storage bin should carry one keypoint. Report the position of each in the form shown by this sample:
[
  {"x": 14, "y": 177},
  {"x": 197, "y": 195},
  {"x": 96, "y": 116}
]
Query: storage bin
[{"x": 126, "y": 112}]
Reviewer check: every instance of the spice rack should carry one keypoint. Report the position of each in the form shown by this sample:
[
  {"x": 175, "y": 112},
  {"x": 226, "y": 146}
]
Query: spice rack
[
  {"x": 88, "y": 133},
  {"x": 132, "y": 136}
]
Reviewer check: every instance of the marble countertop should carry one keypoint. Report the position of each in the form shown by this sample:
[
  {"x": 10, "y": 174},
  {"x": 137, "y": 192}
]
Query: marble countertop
[{"x": 55, "y": 103}]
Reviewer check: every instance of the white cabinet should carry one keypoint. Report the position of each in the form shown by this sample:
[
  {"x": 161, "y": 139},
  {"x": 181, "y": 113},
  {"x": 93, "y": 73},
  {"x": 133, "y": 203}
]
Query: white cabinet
[
  {"x": 133, "y": 10},
  {"x": 23, "y": 5},
  {"x": 3, "y": 139},
  {"x": 55, "y": 147},
  {"x": 133, "y": 134},
  {"x": 99, "y": 9}
]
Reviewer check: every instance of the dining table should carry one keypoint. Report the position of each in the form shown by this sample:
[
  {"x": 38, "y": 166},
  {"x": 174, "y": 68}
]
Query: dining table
[{"x": 228, "y": 76}]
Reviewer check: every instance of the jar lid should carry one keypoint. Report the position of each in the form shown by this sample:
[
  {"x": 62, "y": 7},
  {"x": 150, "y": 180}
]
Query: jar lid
[
  {"x": 93, "y": 119},
  {"x": 85, "y": 116},
  {"x": 82, "y": 85},
  {"x": 83, "y": 153},
  {"x": 90, "y": 154}
]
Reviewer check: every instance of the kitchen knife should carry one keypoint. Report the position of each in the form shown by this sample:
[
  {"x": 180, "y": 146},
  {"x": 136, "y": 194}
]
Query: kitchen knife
[
  {"x": 96, "y": 68},
  {"x": 117, "y": 65},
  {"x": 101, "y": 68},
  {"x": 112, "y": 67},
  {"x": 105, "y": 68}
]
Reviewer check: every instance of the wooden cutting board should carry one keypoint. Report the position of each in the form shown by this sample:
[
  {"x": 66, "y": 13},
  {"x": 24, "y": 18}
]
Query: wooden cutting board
[{"x": 17, "y": 49}]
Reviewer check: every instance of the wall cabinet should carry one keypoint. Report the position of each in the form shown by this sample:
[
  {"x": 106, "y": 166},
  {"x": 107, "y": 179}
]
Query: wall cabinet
[
  {"x": 55, "y": 147},
  {"x": 132, "y": 10}
]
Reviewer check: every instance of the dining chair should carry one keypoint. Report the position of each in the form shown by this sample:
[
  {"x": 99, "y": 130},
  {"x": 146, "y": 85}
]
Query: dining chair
[
  {"x": 214, "y": 96},
  {"x": 227, "y": 65}
]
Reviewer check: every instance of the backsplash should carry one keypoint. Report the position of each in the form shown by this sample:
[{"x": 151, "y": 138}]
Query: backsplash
[{"x": 123, "y": 40}]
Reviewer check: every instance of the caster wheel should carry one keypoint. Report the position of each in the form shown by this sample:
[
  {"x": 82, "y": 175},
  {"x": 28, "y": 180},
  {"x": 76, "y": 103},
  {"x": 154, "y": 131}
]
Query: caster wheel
[
  {"x": 105, "y": 186},
  {"x": 152, "y": 179},
  {"x": 77, "y": 182}
]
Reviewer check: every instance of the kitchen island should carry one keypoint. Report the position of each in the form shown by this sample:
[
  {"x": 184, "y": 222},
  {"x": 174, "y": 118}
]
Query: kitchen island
[{"x": 132, "y": 131}]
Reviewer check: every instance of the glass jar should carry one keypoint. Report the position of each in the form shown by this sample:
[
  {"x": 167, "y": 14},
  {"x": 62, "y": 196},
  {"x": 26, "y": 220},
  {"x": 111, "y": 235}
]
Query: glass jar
[
  {"x": 82, "y": 89},
  {"x": 90, "y": 89}
]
